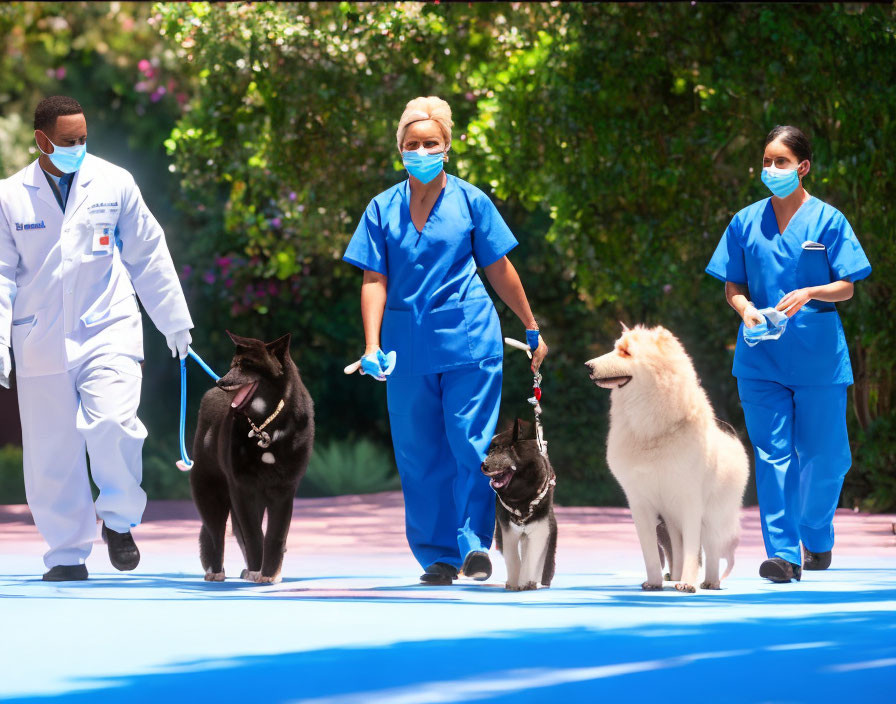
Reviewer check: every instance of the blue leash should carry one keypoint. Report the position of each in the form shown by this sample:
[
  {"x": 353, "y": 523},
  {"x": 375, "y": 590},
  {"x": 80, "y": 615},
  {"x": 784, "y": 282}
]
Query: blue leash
[{"x": 186, "y": 463}]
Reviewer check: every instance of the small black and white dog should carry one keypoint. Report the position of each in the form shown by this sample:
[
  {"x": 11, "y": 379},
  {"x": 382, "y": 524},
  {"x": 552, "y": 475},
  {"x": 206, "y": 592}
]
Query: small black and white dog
[
  {"x": 525, "y": 527},
  {"x": 252, "y": 446}
]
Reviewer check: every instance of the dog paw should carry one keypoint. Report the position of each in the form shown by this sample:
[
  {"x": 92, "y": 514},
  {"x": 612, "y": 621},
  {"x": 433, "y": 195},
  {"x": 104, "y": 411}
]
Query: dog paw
[
  {"x": 667, "y": 577},
  {"x": 529, "y": 586},
  {"x": 511, "y": 587},
  {"x": 264, "y": 579},
  {"x": 251, "y": 576},
  {"x": 710, "y": 585},
  {"x": 214, "y": 576},
  {"x": 687, "y": 588},
  {"x": 648, "y": 587}
]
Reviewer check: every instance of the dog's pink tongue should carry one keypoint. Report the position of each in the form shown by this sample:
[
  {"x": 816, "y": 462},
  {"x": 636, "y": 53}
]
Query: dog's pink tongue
[{"x": 241, "y": 394}]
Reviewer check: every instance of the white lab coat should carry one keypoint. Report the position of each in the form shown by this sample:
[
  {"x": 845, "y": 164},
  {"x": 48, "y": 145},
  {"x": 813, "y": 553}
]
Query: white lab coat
[
  {"x": 67, "y": 304},
  {"x": 64, "y": 297}
]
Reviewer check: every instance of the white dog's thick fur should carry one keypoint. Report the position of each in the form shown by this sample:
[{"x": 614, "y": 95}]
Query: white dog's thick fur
[{"x": 674, "y": 462}]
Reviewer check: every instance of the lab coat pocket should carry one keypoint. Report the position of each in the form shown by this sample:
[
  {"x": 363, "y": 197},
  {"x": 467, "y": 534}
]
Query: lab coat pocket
[
  {"x": 812, "y": 268},
  {"x": 444, "y": 340},
  {"x": 23, "y": 348},
  {"x": 118, "y": 310}
]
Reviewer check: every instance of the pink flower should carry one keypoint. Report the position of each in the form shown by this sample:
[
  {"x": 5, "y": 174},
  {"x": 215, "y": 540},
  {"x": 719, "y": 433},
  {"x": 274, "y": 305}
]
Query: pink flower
[
  {"x": 60, "y": 73},
  {"x": 209, "y": 277},
  {"x": 667, "y": 289},
  {"x": 272, "y": 289},
  {"x": 186, "y": 271},
  {"x": 157, "y": 94},
  {"x": 144, "y": 65},
  {"x": 292, "y": 195},
  {"x": 275, "y": 222},
  {"x": 223, "y": 262}
]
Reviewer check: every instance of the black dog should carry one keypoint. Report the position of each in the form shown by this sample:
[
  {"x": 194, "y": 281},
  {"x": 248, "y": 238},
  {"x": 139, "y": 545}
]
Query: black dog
[
  {"x": 252, "y": 445},
  {"x": 525, "y": 527}
]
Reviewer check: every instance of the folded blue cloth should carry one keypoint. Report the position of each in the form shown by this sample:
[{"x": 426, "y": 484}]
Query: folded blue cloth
[{"x": 771, "y": 328}]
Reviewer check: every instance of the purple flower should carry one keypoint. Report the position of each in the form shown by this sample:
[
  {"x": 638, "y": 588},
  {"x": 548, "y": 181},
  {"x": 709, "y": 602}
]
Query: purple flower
[
  {"x": 60, "y": 73},
  {"x": 209, "y": 277},
  {"x": 272, "y": 289},
  {"x": 292, "y": 195},
  {"x": 223, "y": 262},
  {"x": 275, "y": 222},
  {"x": 667, "y": 289},
  {"x": 186, "y": 271}
]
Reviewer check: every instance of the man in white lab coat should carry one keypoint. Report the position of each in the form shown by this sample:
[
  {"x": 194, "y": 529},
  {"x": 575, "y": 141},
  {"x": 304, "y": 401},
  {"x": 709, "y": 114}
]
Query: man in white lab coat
[{"x": 76, "y": 243}]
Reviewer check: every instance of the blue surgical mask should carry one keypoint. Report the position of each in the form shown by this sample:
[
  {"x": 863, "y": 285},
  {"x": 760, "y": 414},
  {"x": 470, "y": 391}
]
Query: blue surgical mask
[
  {"x": 67, "y": 159},
  {"x": 422, "y": 166},
  {"x": 781, "y": 182}
]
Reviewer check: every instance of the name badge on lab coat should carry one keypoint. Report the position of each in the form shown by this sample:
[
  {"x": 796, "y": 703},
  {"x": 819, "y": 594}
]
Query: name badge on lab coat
[
  {"x": 809, "y": 244},
  {"x": 103, "y": 238}
]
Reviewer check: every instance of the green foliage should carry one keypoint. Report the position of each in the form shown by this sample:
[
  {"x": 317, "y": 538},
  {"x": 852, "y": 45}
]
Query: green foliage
[
  {"x": 618, "y": 140},
  {"x": 349, "y": 467},
  {"x": 12, "y": 480}
]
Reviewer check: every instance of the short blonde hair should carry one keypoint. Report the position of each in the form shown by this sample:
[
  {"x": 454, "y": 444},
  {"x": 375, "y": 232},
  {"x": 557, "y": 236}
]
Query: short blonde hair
[{"x": 430, "y": 108}]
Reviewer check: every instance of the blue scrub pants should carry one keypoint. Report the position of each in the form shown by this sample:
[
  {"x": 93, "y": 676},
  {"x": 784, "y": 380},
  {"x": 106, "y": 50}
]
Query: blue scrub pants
[
  {"x": 442, "y": 426},
  {"x": 802, "y": 455}
]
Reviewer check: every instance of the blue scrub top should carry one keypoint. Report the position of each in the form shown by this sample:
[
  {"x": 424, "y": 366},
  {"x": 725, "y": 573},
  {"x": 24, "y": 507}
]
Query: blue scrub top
[
  {"x": 812, "y": 351},
  {"x": 438, "y": 314}
]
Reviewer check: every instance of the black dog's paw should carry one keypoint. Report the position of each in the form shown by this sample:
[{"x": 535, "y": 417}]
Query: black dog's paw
[
  {"x": 711, "y": 585},
  {"x": 251, "y": 576},
  {"x": 687, "y": 588},
  {"x": 648, "y": 587},
  {"x": 214, "y": 576}
]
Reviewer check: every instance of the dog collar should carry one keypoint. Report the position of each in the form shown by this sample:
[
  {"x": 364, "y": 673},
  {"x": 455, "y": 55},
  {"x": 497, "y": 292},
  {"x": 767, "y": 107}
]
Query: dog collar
[
  {"x": 264, "y": 439},
  {"x": 516, "y": 515}
]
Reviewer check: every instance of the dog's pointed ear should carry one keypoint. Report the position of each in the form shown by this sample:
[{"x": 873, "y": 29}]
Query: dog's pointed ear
[
  {"x": 625, "y": 327},
  {"x": 240, "y": 341},
  {"x": 516, "y": 430},
  {"x": 279, "y": 348}
]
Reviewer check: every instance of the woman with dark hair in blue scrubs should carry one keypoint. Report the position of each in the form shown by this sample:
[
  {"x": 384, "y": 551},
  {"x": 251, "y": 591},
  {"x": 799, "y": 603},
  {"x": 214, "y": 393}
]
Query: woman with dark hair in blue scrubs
[
  {"x": 786, "y": 261},
  {"x": 419, "y": 244}
]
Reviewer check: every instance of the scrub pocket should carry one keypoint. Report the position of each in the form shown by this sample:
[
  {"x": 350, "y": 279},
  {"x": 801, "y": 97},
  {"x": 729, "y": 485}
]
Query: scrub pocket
[
  {"x": 812, "y": 268},
  {"x": 483, "y": 329},
  {"x": 397, "y": 335},
  {"x": 444, "y": 340}
]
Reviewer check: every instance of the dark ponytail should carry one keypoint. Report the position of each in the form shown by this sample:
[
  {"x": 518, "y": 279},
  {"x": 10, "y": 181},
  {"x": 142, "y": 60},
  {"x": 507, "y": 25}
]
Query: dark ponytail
[{"x": 794, "y": 139}]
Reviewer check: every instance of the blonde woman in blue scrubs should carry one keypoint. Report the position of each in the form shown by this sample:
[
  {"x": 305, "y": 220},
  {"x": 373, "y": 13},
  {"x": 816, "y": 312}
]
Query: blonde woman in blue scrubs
[
  {"x": 794, "y": 255},
  {"x": 419, "y": 244}
]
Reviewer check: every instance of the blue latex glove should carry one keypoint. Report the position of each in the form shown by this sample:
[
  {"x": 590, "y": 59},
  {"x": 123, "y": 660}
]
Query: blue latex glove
[
  {"x": 532, "y": 339},
  {"x": 771, "y": 328},
  {"x": 378, "y": 364}
]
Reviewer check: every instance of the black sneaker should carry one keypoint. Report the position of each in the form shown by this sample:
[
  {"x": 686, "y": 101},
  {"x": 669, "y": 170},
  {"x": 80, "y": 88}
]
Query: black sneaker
[
  {"x": 123, "y": 552},
  {"x": 477, "y": 566},
  {"x": 438, "y": 574},
  {"x": 816, "y": 560},
  {"x": 66, "y": 573},
  {"x": 777, "y": 569}
]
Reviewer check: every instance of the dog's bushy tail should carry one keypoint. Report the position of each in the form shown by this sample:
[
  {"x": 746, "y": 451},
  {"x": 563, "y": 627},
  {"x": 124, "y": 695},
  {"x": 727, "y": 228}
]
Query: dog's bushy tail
[{"x": 729, "y": 557}]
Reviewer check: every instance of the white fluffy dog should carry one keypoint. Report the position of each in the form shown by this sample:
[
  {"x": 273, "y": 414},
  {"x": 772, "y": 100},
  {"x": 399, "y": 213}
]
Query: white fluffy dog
[{"x": 672, "y": 458}]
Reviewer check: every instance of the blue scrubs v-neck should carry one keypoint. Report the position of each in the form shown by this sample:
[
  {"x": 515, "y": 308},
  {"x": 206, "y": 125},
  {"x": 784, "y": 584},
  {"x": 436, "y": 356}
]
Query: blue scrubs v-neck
[{"x": 813, "y": 349}]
